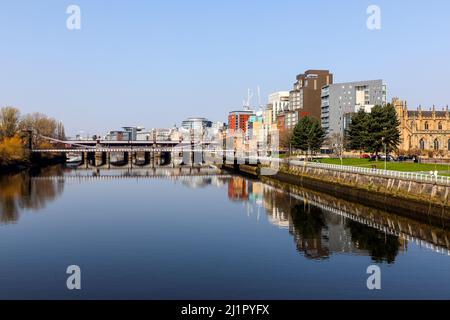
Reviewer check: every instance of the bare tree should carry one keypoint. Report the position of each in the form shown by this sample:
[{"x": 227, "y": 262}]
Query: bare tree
[{"x": 9, "y": 121}]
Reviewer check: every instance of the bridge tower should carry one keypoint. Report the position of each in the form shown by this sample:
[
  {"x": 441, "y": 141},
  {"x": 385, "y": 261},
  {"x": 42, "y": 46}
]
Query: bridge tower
[{"x": 29, "y": 145}]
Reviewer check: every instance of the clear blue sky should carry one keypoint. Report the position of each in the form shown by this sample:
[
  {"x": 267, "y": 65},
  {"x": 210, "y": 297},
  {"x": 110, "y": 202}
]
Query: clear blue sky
[{"x": 154, "y": 63}]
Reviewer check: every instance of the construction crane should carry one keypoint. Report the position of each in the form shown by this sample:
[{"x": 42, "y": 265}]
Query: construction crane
[
  {"x": 260, "y": 106},
  {"x": 247, "y": 103}
]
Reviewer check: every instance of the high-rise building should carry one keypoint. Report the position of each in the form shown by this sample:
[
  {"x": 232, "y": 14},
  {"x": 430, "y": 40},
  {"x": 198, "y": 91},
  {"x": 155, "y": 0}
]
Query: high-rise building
[
  {"x": 306, "y": 95},
  {"x": 341, "y": 100},
  {"x": 291, "y": 119},
  {"x": 279, "y": 101},
  {"x": 237, "y": 120}
]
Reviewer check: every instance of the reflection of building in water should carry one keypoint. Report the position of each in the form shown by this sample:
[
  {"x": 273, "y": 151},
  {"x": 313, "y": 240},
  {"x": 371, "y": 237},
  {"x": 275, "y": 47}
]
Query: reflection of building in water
[
  {"x": 255, "y": 192},
  {"x": 238, "y": 188},
  {"x": 320, "y": 233},
  {"x": 310, "y": 231},
  {"x": 277, "y": 207},
  {"x": 197, "y": 182},
  {"x": 317, "y": 232}
]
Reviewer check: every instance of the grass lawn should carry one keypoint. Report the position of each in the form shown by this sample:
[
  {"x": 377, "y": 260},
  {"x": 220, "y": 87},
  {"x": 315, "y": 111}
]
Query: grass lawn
[{"x": 396, "y": 166}]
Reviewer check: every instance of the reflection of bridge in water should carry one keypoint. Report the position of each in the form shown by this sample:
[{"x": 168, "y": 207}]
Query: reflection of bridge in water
[
  {"x": 81, "y": 178},
  {"x": 174, "y": 173}
]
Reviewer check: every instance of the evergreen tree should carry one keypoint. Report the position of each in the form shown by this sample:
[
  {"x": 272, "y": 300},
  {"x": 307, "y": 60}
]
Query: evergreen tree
[
  {"x": 357, "y": 132},
  {"x": 308, "y": 135},
  {"x": 383, "y": 128}
]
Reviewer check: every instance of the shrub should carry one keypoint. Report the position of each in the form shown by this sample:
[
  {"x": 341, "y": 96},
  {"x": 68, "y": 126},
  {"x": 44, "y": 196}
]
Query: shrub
[{"x": 11, "y": 151}]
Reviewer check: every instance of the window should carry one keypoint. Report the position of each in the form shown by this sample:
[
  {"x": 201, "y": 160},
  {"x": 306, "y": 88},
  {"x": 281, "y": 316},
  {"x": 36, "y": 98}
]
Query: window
[
  {"x": 426, "y": 126},
  {"x": 421, "y": 144},
  {"x": 436, "y": 144},
  {"x": 448, "y": 145},
  {"x": 440, "y": 126}
]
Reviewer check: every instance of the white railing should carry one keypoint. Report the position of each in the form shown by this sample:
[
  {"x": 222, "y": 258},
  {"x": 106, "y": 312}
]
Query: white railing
[{"x": 413, "y": 176}]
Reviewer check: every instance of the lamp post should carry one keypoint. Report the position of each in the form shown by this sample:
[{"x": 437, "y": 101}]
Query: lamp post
[{"x": 385, "y": 155}]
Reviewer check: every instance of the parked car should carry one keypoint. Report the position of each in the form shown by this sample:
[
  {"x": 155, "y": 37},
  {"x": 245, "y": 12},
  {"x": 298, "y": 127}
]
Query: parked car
[
  {"x": 381, "y": 158},
  {"x": 365, "y": 156},
  {"x": 387, "y": 158},
  {"x": 404, "y": 158}
]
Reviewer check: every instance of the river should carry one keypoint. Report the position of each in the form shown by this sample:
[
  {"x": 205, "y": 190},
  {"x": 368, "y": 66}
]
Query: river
[{"x": 181, "y": 233}]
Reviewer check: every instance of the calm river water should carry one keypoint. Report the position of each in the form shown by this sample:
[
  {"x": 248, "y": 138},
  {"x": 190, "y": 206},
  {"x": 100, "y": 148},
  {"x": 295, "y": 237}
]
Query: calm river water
[{"x": 147, "y": 234}]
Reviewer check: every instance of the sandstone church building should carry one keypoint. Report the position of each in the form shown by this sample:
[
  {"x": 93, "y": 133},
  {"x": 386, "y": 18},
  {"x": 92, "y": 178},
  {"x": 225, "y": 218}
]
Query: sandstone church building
[{"x": 425, "y": 132}]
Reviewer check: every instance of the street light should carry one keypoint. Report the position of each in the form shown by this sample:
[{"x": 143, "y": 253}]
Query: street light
[{"x": 385, "y": 155}]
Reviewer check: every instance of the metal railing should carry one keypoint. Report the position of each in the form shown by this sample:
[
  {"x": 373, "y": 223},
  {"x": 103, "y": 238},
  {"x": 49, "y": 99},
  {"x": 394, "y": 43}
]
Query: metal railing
[{"x": 412, "y": 176}]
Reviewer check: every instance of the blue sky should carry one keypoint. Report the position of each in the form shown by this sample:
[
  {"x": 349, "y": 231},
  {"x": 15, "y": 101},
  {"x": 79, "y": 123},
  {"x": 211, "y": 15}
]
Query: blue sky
[{"x": 155, "y": 63}]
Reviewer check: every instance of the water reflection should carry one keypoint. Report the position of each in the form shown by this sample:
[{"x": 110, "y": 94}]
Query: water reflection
[
  {"x": 321, "y": 225},
  {"x": 381, "y": 247},
  {"x": 19, "y": 192}
]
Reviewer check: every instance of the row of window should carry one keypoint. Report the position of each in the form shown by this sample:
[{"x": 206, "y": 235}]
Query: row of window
[
  {"x": 426, "y": 125},
  {"x": 435, "y": 145}
]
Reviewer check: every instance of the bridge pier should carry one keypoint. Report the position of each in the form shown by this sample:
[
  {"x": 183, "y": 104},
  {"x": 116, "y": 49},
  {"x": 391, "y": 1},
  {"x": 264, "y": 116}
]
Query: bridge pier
[
  {"x": 157, "y": 158},
  {"x": 98, "y": 159},
  {"x": 131, "y": 158},
  {"x": 108, "y": 160},
  {"x": 85, "y": 160}
]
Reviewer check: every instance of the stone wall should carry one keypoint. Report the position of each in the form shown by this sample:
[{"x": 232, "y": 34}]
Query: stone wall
[
  {"x": 393, "y": 186},
  {"x": 419, "y": 199}
]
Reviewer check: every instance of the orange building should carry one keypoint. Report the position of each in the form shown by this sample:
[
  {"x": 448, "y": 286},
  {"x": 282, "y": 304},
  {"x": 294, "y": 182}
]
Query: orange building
[{"x": 238, "y": 120}]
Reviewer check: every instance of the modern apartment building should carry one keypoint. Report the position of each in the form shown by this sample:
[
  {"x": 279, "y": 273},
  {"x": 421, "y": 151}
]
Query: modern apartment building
[
  {"x": 306, "y": 95},
  {"x": 279, "y": 101},
  {"x": 341, "y": 100},
  {"x": 291, "y": 119},
  {"x": 238, "y": 120}
]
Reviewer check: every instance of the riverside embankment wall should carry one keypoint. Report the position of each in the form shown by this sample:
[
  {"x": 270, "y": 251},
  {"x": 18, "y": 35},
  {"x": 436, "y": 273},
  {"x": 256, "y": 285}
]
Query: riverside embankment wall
[{"x": 427, "y": 201}]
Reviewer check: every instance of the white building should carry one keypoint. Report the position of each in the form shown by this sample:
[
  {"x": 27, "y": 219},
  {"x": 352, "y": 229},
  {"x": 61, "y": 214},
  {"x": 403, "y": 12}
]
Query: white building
[
  {"x": 341, "y": 100},
  {"x": 279, "y": 102}
]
